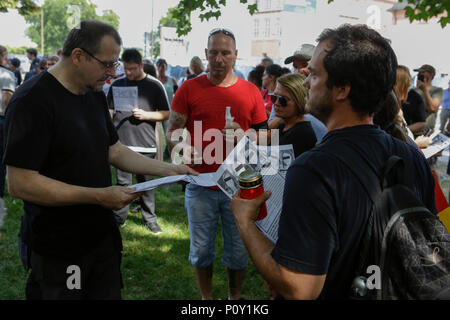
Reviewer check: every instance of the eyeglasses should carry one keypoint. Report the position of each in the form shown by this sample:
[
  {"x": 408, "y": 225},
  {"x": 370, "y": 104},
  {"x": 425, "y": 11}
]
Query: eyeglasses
[
  {"x": 106, "y": 65},
  {"x": 226, "y": 32},
  {"x": 283, "y": 101}
]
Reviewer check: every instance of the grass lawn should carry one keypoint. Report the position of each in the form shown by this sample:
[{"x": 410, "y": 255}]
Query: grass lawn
[{"x": 153, "y": 267}]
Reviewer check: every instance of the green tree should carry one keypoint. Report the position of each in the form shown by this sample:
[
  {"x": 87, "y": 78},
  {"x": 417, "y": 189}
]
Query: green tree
[
  {"x": 59, "y": 17},
  {"x": 426, "y": 9},
  {"x": 416, "y": 10},
  {"x": 17, "y": 50},
  {"x": 25, "y": 7},
  {"x": 208, "y": 9}
]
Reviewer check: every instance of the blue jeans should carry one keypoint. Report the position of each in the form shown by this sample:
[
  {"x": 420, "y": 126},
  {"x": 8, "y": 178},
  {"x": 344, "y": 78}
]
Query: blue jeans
[{"x": 204, "y": 206}]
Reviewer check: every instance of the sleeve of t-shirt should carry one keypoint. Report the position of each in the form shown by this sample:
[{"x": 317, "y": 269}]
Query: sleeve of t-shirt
[
  {"x": 307, "y": 234},
  {"x": 303, "y": 140},
  {"x": 179, "y": 102},
  {"x": 160, "y": 99},
  {"x": 110, "y": 98},
  {"x": 8, "y": 83},
  {"x": 259, "y": 111},
  {"x": 28, "y": 130}
]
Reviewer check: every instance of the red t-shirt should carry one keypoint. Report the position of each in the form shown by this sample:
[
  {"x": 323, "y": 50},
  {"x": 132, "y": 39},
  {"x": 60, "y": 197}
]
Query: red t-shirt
[
  {"x": 267, "y": 100},
  {"x": 203, "y": 101}
]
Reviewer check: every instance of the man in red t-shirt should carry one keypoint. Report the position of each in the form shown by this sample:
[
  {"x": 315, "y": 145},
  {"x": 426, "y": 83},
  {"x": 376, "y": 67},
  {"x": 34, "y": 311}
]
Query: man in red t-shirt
[{"x": 200, "y": 106}]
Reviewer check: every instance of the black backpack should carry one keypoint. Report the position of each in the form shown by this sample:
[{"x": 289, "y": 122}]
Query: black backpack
[{"x": 406, "y": 243}]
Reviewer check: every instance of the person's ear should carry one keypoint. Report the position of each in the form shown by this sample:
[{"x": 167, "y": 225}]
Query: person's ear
[
  {"x": 76, "y": 55},
  {"x": 342, "y": 92}
]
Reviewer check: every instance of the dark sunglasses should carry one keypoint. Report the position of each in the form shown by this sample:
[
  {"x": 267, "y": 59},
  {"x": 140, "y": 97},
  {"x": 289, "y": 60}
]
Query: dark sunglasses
[
  {"x": 283, "y": 101},
  {"x": 226, "y": 32},
  {"x": 107, "y": 65}
]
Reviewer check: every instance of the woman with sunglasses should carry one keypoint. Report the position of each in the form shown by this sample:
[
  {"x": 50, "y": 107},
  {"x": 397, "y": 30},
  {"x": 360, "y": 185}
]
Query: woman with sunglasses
[
  {"x": 269, "y": 81},
  {"x": 289, "y": 99}
]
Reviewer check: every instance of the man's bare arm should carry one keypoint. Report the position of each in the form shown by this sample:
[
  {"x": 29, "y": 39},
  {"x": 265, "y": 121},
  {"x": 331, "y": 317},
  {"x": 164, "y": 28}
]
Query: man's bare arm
[
  {"x": 31, "y": 186},
  {"x": 176, "y": 121},
  {"x": 127, "y": 160},
  {"x": 151, "y": 115},
  {"x": 6, "y": 96}
]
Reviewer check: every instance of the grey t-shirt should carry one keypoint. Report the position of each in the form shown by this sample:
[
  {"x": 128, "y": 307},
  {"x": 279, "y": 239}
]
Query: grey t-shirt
[
  {"x": 7, "y": 83},
  {"x": 151, "y": 97}
]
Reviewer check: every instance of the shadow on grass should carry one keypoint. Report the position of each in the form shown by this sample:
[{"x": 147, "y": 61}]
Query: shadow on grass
[{"x": 153, "y": 267}]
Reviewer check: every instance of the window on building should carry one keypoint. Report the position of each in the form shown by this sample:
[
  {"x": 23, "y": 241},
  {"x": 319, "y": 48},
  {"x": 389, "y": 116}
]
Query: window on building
[
  {"x": 266, "y": 28},
  {"x": 256, "y": 28},
  {"x": 278, "y": 27},
  {"x": 268, "y": 4}
]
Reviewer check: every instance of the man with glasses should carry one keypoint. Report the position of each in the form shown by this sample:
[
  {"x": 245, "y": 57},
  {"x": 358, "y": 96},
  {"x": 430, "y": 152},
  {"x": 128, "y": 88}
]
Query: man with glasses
[
  {"x": 136, "y": 127},
  {"x": 60, "y": 144},
  {"x": 201, "y": 102}
]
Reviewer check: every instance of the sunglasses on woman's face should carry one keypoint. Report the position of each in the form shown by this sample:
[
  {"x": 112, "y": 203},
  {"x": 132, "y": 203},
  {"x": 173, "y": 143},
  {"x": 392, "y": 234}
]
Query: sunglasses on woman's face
[{"x": 283, "y": 101}]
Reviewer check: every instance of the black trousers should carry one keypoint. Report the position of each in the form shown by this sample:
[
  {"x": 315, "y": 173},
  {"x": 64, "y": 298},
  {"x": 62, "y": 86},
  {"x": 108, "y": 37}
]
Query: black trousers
[
  {"x": 95, "y": 276},
  {"x": 146, "y": 201}
]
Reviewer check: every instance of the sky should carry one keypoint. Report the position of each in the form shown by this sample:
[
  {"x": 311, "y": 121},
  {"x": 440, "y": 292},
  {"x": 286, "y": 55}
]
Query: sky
[
  {"x": 135, "y": 19},
  {"x": 414, "y": 44}
]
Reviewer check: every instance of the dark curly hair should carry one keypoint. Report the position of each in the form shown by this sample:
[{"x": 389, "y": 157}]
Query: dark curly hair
[
  {"x": 274, "y": 70},
  {"x": 361, "y": 58},
  {"x": 132, "y": 56}
]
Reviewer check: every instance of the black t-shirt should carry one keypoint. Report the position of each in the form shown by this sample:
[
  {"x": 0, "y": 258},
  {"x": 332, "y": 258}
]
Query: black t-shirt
[
  {"x": 414, "y": 108},
  {"x": 301, "y": 136},
  {"x": 151, "y": 97},
  {"x": 65, "y": 137},
  {"x": 325, "y": 208}
]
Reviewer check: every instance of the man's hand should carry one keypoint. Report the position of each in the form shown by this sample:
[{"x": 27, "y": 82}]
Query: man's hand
[
  {"x": 116, "y": 197},
  {"x": 246, "y": 211},
  {"x": 233, "y": 134},
  {"x": 190, "y": 155},
  {"x": 421, "y": 85},
  {"x": 139, "y": 114}
]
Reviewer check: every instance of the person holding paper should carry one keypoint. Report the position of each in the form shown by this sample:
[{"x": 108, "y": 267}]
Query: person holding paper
[
  {"x": 200, "y": 105},
  {"x": 60, "y": 143},
  {"x": 325, "y": 207},
  {"x": 136, "y": 127}
]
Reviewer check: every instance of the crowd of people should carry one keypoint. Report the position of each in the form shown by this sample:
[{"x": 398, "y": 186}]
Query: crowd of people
[{"x": 62, "y": 131}]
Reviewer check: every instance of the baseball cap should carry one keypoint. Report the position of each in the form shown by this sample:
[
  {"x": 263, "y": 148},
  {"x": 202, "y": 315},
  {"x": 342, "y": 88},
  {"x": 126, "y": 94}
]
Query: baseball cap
[
  {"x": 426, "y": 68},
  {"x": 304, "y": 53}
]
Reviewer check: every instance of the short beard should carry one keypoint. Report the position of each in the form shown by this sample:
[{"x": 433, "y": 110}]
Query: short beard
[{"x": 321, "y": 109}]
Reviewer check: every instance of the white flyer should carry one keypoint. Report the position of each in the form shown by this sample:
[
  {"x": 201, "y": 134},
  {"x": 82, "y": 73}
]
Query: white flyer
[
  {"x": 203, "y": 179},
  {"x": 438, "y": 143},
  {"x": 272, "y": 162},
  {"x": 125, "y": 98}
]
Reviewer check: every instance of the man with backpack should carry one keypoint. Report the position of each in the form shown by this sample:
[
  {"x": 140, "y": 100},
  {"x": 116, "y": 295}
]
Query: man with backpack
[{"x": 328, "y": 197}]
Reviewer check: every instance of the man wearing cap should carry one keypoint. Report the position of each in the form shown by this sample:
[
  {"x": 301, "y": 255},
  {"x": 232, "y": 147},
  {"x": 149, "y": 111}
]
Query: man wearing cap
[
  {"x": 432, "y": 96},
  {"x": 300, "y": 58}
]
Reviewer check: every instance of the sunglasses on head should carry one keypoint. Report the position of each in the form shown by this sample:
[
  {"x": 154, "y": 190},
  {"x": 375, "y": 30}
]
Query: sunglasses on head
[
  {"x": 283, "y": 101},
  {"x": 226, "y": 32}
]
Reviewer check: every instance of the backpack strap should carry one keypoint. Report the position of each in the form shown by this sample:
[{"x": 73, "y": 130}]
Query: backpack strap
[
  {"x": 349, "y": 156},
  {"x": 360, "y": 168}
]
